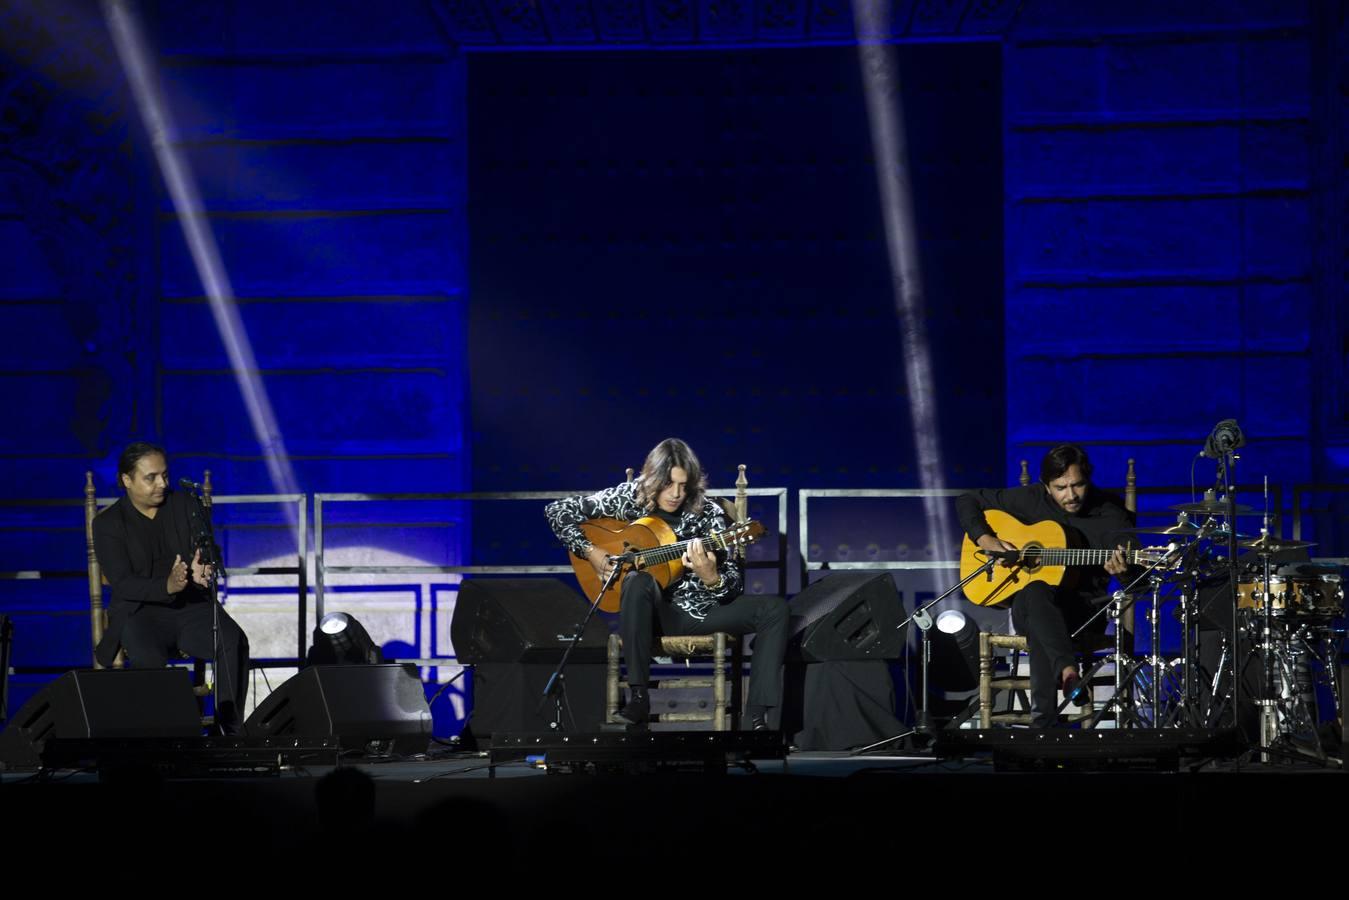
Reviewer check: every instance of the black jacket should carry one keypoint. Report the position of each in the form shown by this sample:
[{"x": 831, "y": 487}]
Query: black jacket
[{"x": 134, "y": 570}]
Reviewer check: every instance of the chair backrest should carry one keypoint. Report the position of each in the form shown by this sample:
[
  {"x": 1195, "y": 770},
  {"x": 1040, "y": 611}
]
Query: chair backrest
[{"x": 98, "y": 614}]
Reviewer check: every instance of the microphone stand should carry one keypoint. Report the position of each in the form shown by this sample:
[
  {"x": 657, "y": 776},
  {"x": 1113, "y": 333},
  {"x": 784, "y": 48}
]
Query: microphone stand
[
  {"x": 921, "y": 617},
  {"x": 556, "y": 688},
  {"x": 203, "y": 540}
]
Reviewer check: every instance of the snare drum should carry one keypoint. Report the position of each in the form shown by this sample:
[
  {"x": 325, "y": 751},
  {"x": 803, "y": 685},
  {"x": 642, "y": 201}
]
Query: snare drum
[{"x": 1320, "y": 596}]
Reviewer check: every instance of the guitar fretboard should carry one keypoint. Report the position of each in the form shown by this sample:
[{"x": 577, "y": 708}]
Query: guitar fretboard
[
  {"x": 1065, "y": 556},
  {"x": 670, "y": 552}
]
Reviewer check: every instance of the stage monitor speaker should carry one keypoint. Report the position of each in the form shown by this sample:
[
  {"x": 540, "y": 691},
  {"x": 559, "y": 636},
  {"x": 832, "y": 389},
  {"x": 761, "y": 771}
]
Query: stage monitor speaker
[
  {"x": 380, "y": 708},
  {"x": 522, "y": 620},
  {"x": 102, "y": 703},
  {"x": 847, "y": 615},
  {"x": 509, "y": 697}
]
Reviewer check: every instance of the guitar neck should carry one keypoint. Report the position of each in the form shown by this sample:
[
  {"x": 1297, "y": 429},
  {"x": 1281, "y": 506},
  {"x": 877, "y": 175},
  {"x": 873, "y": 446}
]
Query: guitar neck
[
  {"x": 1067, "y": 556},
  {"x": 670, "y": 552}
]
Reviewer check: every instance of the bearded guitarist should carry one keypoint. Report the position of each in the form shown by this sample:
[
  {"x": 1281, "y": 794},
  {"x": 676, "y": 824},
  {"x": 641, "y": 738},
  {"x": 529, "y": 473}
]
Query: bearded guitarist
[
  {"x": 703, "y": 597},
  {"x": 1048, "y": 615}
]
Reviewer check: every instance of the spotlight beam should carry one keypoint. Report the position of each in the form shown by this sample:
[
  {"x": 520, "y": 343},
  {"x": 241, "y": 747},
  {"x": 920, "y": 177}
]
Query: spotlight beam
[
  {"x": 881, "y": 84},
  {"x": 182, "y": 187}
]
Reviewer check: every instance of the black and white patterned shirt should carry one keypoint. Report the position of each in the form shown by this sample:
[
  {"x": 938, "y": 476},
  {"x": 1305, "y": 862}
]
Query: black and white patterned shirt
[{"x": 621, "y": 502}]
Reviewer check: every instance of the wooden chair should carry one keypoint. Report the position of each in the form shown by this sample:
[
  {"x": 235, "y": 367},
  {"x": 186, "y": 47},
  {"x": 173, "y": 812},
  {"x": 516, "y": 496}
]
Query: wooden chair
[
  {"x": 725, "y": 650},
  {"x": 98, "y": 612},
  {"x": 992, "y": 684}
]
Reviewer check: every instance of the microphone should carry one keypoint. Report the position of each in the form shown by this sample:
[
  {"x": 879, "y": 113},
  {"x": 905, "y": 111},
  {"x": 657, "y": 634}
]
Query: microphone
[
  {"x": 1009, "y": 555},
  {"x": 188, "y": 485},
  {"x": 1225, "y": 437}
]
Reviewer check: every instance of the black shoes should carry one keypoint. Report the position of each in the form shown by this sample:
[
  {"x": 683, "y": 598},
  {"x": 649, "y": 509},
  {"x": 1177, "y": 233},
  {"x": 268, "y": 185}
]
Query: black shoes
[
  {"x": 758, "y": 722},
  {"x": 637, "y": 711}
]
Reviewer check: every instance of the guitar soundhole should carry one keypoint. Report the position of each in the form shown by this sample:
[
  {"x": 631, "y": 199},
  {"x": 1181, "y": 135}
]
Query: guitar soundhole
[{"x": 1032, "y": 560}]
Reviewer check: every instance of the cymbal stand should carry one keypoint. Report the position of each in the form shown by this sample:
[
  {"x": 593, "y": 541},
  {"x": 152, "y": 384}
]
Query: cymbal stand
[
  {"x": 1187, "y": 707},
  {"x": 1129, "y": 677},
  {"x": 1120, "y": 601},
  {"x": 1269, "y": 717},
  {"x": 1122, "y": 661}
]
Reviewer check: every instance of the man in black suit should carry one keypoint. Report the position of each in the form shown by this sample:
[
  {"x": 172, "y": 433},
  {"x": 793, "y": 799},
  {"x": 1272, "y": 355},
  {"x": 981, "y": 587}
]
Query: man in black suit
[{"x": 161, "y": 598}]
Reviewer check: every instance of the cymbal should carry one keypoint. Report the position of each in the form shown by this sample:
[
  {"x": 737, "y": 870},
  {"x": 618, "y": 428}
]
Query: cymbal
[
  {"x": 1188, "y": 530},
  {"x": 1271, "y": 544},
  {"x": 1213, "y": 508}
]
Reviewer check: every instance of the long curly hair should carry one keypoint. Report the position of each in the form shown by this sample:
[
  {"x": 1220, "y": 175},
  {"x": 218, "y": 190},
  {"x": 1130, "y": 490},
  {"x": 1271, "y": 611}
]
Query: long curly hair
[{"x": 655, "y": 476}]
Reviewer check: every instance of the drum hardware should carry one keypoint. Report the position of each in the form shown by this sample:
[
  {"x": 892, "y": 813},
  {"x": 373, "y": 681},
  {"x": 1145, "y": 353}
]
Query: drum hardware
[
  {"x": 1129, "y": 673},
  {"x": 1214, "y": 506}
]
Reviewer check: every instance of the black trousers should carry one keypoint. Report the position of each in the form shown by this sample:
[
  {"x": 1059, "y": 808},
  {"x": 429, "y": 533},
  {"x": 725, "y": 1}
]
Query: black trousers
[
  {"x": 645, "y": 608},
  {"x": 1048, "y": 618},
  {"x": 155, "y": 633}
]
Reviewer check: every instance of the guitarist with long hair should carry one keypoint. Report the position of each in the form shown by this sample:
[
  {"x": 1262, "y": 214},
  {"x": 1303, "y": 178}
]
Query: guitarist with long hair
[
  {"x": 1047, "y": 615},
  {"x": 704, "y": 599}
]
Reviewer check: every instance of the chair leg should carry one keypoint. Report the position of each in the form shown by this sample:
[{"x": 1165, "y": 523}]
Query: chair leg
[
  {"x": 985, "y": 680},
  {"x": 737, "y": 707},
  {"x": 719, "y": 717},
  {"x": 611, "y": 679}
]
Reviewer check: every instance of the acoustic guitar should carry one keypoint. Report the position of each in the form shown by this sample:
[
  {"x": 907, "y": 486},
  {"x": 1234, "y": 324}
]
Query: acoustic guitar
[
  {"x": 1043, "y": 556},
  {"x": 654, "y": 549}
]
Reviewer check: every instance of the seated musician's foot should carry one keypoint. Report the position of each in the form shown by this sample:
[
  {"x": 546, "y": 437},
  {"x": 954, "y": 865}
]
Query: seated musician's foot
[
  {"x": 758, "y": 717},
  {"x": 638, "y": 708}
]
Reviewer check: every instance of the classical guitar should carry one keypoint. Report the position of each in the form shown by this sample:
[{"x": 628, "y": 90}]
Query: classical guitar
[
  {"x": 654, "y": 549},
  {"x": 1043, "y": 555}
]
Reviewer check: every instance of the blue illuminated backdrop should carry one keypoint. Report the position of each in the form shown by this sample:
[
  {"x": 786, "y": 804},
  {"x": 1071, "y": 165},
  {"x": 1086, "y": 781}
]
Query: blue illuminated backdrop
[{"x": 470, "y": 254}]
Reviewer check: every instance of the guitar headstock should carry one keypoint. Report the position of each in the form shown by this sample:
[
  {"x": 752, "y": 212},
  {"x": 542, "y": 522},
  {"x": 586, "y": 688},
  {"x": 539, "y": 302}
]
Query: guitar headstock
[
  {"x": 742, "y": 533},
  {"x": 1151, "y": 556}
]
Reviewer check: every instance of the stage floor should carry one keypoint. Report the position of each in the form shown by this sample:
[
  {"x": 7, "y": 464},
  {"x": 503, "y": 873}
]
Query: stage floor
[{"x": 808, "y": 809}]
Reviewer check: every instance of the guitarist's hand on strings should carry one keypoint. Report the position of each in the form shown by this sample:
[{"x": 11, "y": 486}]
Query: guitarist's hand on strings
[
  {"x": 1116, "y": 565},
  {"x": 995, "y": 544},
  {"x": 600, "y": 561},
  {"x": 703, "y": 563}
]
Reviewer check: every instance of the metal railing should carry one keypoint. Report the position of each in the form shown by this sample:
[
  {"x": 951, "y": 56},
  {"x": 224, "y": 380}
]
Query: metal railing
[
  {"x": 780, "y": 495},
  {"x": 805, "y": 495},
  {"x": 300, "y": 570},
  {"x": 1300, "y": 492}
]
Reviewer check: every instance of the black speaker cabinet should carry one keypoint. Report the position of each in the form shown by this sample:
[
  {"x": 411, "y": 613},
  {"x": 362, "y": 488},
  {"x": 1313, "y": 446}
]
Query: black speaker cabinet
[
  {"x": 508, "y": 697},
  {"x": 847, "y": 616},
  {"x": 522, "y": 620},
  {"x": 380, "y": 708},
  {"x": 103, "y": 703}
]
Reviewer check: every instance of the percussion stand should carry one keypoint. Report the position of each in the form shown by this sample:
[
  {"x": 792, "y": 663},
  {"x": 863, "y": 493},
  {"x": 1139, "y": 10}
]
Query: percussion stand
[{"x": 1120, "y": 601}]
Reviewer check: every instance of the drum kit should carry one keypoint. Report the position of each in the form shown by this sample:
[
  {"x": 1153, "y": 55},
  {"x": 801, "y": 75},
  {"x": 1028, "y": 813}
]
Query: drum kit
[{"x": 1263, "y": 655}]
